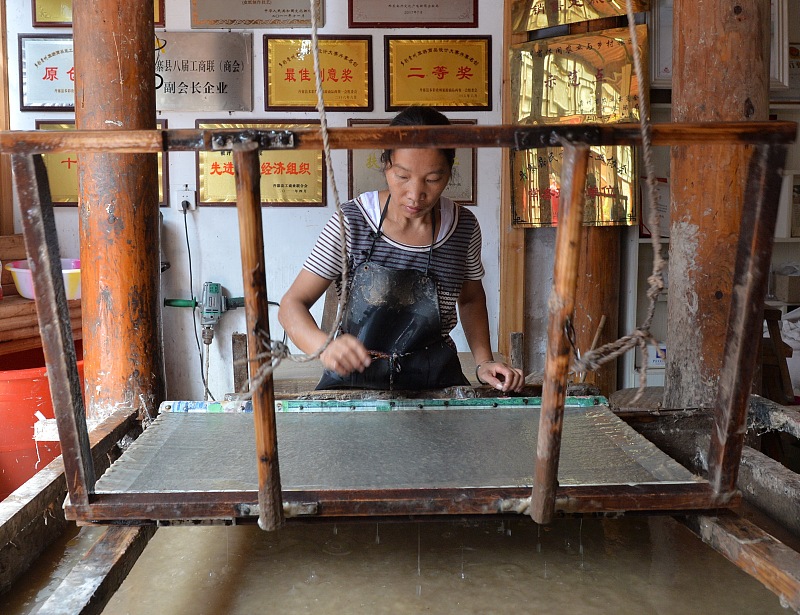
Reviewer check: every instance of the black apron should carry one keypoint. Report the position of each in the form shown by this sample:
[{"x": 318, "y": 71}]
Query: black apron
[{"x": 395, "y": 314}]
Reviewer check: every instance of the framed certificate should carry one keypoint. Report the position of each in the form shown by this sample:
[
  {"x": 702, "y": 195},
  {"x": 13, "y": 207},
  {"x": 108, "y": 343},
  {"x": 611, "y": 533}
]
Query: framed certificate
[
  {"x": 413, "y": 14},
  {"x": 586, "y": 77},
  {"x": 609, "y": 198},
  {"x": 447, "y": 73},
  {"x": 62, "y": 168},
  {"x": 792, "y": 93},
  {"x": 46, "y": 72},
  {"x": 58, "y": 13},
  {"x": 365, "y": 172},
  {"x": 345, "y": 64},
  {"x": 249, "y": 14},
  {"x": 527, "y": 15},
  {"x": 289, "y": 177},
  {"x": 661, "y": 64}
]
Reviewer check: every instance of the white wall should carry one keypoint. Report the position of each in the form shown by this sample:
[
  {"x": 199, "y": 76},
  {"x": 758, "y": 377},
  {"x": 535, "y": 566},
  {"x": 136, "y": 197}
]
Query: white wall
[{"x": 289, "y": 232}]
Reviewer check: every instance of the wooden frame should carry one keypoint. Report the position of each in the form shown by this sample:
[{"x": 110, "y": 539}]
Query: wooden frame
[
  {"x": 58, "y": 13},
  {"x": 448, "y": 14},
  {"x": 779, "y": 45},
  {"x": 755, "y": 249},
  {"x": 463, "y": 193},
  {"x": 352, "y": 56},
  {"x": 444, "y": 64},
  {"x": 790, "y": 95}
]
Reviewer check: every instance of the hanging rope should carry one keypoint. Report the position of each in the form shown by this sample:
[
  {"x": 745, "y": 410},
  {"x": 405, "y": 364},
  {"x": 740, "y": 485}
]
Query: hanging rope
[
  {"x": 641, "y": 337},
  {"x": 272, "y": 350}
]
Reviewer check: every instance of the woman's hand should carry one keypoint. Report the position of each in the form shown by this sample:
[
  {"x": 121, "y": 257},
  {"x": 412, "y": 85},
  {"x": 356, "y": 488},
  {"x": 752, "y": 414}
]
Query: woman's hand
[
  {"x": 345, "y": 355},
  {"x": 500, "y": 376}
]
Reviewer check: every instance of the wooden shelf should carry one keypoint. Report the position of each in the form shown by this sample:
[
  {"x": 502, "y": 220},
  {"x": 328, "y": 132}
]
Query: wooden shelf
[{"x": 19, "y": 325}]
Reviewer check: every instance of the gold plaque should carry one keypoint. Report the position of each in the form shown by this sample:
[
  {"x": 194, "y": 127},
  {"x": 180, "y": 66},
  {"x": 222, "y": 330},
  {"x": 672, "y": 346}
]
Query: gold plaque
[
  {"x": 288, "y": 176},
  {"x": 62, "y": 168},
  {"x": 529, "y": 15},
  {"x": 608, "y": 198},
  {"x": 345, "y": 64},
  {"x": 578, "y": 78},
  {"x": 448, "y": 73}
]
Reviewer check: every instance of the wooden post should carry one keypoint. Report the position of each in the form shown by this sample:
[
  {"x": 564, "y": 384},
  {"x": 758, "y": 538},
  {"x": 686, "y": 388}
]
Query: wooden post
[
  {"x": 597, "y": 295},
  {"x": 41, "y": 243},
  {"x": 517, "y": 354},
  {"x": 119, "y": 221},
  {"x": 251, "y": 238},
  {"x": 6, "y": 200},
  {"x": 746, "y": 318},
  {"x": 720, "y": 72},
  {"x": 512, "y": 240},
  {"x": 561, "y": 307},
  {"x": 241, "y": 371}
]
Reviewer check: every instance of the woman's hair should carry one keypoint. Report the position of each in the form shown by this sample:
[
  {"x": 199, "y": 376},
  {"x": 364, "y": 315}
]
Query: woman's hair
[{"x": 419, "y": 116}]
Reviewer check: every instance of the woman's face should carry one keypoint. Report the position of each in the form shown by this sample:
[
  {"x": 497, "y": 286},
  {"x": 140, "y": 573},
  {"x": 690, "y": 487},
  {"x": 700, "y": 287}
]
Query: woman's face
[{"x": 416, "y": 179}]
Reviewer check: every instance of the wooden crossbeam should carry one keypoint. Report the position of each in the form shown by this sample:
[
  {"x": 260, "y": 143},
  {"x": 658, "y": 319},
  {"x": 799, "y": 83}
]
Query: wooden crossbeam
[{"x": 355, "y": 137}]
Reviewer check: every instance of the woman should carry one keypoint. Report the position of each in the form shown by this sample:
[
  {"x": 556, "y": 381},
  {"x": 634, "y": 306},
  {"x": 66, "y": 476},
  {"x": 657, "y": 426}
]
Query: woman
[{"x": 413, "y": 256}]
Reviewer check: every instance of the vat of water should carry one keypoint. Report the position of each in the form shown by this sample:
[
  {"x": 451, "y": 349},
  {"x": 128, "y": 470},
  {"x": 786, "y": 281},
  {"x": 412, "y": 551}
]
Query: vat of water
[{"x": 24, "y": 391}]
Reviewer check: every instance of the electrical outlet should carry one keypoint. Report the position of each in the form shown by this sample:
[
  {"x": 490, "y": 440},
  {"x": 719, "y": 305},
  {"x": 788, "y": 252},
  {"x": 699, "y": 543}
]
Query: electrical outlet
[{"x": 185, "y": 199}]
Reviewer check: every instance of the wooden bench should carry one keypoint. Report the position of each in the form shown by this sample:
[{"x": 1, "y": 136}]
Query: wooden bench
[{"x": 19, "y": 326}]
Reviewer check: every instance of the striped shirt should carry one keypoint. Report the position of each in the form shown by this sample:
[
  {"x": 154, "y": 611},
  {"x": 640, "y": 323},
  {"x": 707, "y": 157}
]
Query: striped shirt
[{"x": 456, "y": 251}]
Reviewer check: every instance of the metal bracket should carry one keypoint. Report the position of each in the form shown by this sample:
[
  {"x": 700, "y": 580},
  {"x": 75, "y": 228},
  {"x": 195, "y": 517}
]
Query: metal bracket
[
  {"x": 266, "y": 139},
  {"x": 290, "y": 509},
  {"x": 533, "y": 137}
]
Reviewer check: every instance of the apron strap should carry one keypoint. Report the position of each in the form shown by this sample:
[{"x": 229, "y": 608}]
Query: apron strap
[{"x": 377, "y": 235}]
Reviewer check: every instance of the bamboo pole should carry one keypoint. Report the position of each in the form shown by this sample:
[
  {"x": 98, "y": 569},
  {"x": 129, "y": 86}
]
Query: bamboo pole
[
  {"x": 251, "y": 239},
  {"x": 561, "y": 307}
]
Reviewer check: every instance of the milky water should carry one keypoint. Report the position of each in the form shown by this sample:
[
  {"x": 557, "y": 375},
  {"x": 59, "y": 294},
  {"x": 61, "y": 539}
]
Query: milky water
[{"x": 634, "y": 565}]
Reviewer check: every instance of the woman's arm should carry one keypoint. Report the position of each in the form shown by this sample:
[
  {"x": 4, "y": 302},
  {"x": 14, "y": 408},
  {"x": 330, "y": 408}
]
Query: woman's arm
[
  {"x": 475, "y": 322},
  {"x": 345, "y": 354}
]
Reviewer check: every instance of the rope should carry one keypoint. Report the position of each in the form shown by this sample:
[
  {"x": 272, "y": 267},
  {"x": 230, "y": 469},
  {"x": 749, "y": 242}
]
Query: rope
[
  {"x": 272, "y": 350},
  {"x": 641, "y": 336},
  {"x": 275, "y": 351}
]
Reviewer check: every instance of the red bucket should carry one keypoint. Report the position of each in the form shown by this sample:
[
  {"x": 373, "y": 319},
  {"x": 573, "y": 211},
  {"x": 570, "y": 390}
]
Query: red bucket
[{"x": 24, "y": 390}]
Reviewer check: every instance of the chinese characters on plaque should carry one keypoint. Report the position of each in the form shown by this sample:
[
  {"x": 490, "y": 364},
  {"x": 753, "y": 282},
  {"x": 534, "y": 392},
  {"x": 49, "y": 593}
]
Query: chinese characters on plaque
[
  {"x": 288, "y": 176},
  {"x": 366, "y": 171},
  {"x": 447, "y": 73},
  {"x": 195, "y": 71},
  {"x": 576, "y": 79},
  {"x": 62, "y": 168},
  {"x": 46, "y": 72},
  {"x": 345, "y": 67},
  {"x": 413, "y": 14},
  {"x": 254, "y": 13},
  {"x": 204, "y": 71},
  {"x": 529, "y": 15},
  {"x": 536, "y": 187}
]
